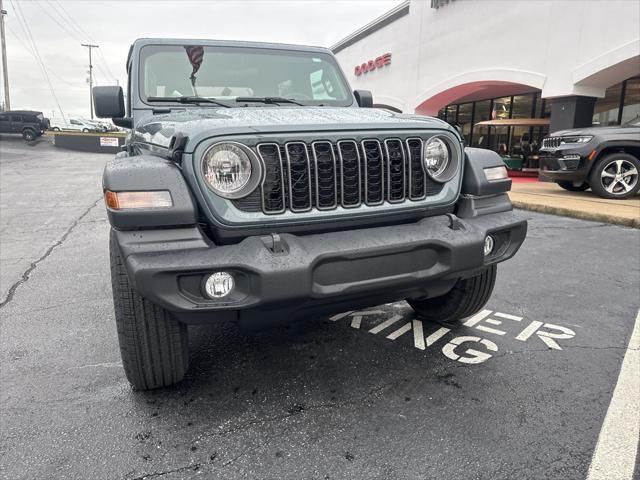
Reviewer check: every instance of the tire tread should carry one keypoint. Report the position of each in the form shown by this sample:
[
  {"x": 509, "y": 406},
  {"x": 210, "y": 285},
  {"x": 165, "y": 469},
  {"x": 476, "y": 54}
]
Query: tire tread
[
  {"x": 153, "y": 344},
  {"x": 467, "y": 297}
]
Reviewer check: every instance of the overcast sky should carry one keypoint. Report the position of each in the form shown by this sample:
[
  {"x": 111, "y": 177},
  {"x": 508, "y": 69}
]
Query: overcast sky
[{"x": 59, "y": 26}]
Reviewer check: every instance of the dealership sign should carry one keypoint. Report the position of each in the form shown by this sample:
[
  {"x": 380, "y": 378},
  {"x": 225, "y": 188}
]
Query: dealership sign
[{"x": 371, "y": 65}]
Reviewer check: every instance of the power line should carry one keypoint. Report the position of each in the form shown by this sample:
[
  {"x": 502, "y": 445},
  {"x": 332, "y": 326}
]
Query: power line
[
  {"x": 73, "y": 23},
  {"x": 30, "y": 51},
  {"x": 65, "y": 29},
  {"x": 25, "y": 26},
  {"x": 71, "y": 34}
]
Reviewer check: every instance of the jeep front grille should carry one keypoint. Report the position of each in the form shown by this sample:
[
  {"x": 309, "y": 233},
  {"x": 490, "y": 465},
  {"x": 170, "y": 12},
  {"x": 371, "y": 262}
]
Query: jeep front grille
[
  {"x": 551, "y": 142},
  {"x": 326, "y": 174}
]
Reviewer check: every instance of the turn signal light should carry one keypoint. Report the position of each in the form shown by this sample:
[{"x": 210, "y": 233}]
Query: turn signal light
[
  {"x": 496, "y": 173},
  {"x": 137, "y": 200}
]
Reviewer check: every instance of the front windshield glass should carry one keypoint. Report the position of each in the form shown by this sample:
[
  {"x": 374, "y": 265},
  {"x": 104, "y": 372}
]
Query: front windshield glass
[{"x": 225, "y": 73}]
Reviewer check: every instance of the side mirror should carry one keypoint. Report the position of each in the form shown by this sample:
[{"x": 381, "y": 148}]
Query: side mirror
[
  {"x": 108, "y": 102},
  {"x": 364, "y": 98}
]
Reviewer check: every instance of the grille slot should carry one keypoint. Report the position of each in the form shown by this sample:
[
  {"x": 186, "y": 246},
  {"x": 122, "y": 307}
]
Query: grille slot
[
  {"x": 326, "y": 180},
  {"x": 299, "y": 174},
  {"x": 395, "y": 170},
  {"x": 273, "y": 196},
  {"x": 350, "y": 185},
  {"x": 417, "y": 178},
  {"x": 374, "y": 172}
]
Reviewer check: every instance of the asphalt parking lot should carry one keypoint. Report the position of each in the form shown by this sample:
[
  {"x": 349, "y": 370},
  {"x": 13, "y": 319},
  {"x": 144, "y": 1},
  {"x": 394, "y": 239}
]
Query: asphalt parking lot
[{"x": 519, "y": 391}]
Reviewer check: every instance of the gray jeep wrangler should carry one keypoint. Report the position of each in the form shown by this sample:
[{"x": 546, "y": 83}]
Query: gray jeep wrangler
[{"x": 256, "y": 187}]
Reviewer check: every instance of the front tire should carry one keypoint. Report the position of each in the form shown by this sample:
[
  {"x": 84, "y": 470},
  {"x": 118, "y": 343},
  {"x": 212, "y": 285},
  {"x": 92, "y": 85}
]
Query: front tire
[
  {"x": 153, "y": 344},
  {"x": 29, "y": 135},
  {"x": 85, "y": 130},
  {"x": 467, "y": 297},
  {"x": 572, "y": 187},
  {"x": 616, "y": 176}
]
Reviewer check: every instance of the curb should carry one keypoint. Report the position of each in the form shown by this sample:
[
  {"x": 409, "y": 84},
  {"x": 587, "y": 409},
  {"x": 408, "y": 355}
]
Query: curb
[{"x": 580, "y": 214}]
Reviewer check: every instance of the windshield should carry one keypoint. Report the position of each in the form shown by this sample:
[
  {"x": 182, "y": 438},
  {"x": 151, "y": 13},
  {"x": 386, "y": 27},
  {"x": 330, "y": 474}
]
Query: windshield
[{"x": 225, "y": 73}]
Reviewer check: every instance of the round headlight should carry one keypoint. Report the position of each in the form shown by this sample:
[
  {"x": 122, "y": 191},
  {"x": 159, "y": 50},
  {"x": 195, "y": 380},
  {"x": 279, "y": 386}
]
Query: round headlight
[
  {"x": 436, "y": 158},
  {"x": 227, "y": 168}
]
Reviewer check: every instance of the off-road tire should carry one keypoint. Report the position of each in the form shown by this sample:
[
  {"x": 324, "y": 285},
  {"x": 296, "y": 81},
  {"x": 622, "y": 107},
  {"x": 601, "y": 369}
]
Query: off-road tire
[
  {"x": 467, "y": 297},
  {"x": 29, "y": 135},
  {"x": 571, "y": 187},
  {"x": 153, "y": 344},
  {"x": 595, "y": 178}
]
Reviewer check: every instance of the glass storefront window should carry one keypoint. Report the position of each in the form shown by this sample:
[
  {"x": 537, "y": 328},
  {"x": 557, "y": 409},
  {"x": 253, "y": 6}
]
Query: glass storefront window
[
  {"x": 631, "y": 108},
  {"x": 452, "y": 113},
  {"x": 480, "y": 137},
  {"x": 501, "y": 108},
  {"x": 465, "y": 119},
  {"x": 606, "y": 109},
  {"x": 522, "y": 106}
]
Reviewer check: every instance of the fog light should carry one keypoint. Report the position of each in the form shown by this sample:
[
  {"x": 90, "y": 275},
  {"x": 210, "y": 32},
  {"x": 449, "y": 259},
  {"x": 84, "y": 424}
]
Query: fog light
[
  {"x": 488, "y": 245},
  {"x": 219, "y": 284}
]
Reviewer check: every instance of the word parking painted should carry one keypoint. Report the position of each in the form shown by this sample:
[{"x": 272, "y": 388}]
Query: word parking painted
[{"x": 461, "y": 348}]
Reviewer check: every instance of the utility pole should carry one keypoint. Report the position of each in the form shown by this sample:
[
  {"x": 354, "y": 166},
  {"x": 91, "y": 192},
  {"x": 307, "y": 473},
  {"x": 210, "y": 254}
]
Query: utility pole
[
  {"x": 89, "y": 46},
  {"x": 7, "y": 102}
]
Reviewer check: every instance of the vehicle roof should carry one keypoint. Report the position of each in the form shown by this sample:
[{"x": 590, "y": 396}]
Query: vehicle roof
[
  {"x": 223, "y": 43},
  {"x": 27, "y": 112}
]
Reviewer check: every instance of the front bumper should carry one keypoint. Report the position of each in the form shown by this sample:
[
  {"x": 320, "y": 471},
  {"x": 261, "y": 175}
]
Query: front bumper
[
  {"x": 565, "y": 164},
  {"x": 320, "y": 273}
]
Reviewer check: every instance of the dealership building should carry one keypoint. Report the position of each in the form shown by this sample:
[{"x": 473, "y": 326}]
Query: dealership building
[{"x": 505, "y": 72}]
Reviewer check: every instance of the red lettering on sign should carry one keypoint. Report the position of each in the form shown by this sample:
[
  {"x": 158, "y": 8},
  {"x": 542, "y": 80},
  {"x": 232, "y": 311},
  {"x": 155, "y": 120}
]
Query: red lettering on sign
[{"x": 371, "y": 65}]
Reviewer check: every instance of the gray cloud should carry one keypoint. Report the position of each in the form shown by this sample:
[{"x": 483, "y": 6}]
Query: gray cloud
[{"x": 115, "y": 24}]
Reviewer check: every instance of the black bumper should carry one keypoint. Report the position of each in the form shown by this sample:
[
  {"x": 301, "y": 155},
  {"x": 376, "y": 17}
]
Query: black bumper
[
  {"x": 320, "y": 273},
  {"x": 571, "y": 165}
]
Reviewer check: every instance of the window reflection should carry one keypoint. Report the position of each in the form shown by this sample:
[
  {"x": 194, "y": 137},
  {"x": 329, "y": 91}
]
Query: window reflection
[
  {"x": 480, "y": 137},
  {"x": 465, "y": 119},
  {"x": 606, "y": 109},
  {"x": 631, "y": 109}
]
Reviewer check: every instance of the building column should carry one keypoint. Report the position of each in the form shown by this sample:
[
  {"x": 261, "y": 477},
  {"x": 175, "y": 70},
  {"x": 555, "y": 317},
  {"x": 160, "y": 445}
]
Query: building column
[{"x": 571, "y": 112}]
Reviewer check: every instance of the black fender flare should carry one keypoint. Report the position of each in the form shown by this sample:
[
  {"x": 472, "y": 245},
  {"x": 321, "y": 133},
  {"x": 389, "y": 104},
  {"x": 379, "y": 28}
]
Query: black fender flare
[
  {"x": 479, "y": 196},
  {"x": 149, "y": 173}
]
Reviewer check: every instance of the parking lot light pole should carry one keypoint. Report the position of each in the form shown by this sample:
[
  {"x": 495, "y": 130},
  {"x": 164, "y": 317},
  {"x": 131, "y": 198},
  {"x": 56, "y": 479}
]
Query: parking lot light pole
[
  {"x": 5, "y": 73},
  {"x": 89, "y": 46}
]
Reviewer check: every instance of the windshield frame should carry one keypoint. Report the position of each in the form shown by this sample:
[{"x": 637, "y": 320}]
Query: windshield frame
[{"x": 326, "y": 56}]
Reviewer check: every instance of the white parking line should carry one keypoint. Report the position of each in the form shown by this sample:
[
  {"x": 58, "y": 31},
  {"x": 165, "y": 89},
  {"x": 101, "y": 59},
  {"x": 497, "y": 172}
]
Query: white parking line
[
  {"x": 385, "y": 324},
  {"x": 507, "y": 316},
  {"x": 616, "y": 450},
  {"x": 402, "y": 330},
  {"x": 418, "y": 335}
]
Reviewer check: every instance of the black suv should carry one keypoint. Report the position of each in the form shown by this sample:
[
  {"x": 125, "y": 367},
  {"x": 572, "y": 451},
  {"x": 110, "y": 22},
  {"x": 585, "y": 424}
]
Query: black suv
[
  {"x": 28, "y": 123},
  {"x": 605, "y": 159}
]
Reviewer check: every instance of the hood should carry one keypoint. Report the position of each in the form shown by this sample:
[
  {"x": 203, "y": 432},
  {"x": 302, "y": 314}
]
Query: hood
[
  {"x": 593, "y": 131},
  {"x": 200, "y": 123}
]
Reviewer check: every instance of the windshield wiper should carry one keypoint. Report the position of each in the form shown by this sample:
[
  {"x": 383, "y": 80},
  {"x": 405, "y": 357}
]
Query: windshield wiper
[
  {"x": 189, "y": 100},
  {"x": 268, "y": 100}
]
